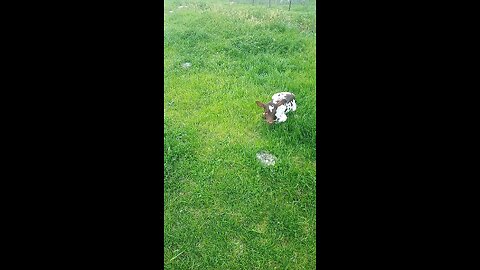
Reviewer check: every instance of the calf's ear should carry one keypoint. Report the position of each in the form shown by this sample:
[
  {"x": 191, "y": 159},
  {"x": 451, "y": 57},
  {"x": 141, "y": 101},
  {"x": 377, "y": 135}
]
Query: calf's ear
[{"x": 260, "y": 104}]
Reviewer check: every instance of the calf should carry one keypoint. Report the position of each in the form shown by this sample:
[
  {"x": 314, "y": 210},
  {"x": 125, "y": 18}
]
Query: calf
[{"x": 276, "y": 110}]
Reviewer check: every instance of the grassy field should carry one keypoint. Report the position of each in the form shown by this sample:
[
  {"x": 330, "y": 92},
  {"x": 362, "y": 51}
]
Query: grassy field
[{"x": 223, "y": 209}]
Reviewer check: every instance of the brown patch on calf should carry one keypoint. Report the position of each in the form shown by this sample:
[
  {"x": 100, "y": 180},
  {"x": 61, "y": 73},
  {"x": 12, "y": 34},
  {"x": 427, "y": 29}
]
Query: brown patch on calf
[{"x": 280, "y": 103}]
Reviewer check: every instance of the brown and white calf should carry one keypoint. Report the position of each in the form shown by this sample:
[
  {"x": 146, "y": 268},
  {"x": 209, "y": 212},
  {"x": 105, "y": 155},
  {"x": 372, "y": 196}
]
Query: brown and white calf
[{"x": 277, "y": 109}]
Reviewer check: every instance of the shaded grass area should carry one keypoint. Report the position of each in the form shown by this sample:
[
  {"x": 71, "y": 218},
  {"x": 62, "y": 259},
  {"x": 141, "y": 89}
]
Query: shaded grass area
[{"x": 223, "y": 210}]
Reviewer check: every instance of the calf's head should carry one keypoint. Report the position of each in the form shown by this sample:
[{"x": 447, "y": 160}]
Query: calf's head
[{"x": 269, "y": 110}]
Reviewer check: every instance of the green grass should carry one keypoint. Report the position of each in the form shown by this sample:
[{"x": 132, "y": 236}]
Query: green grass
[{"x": 223, "y": 210}]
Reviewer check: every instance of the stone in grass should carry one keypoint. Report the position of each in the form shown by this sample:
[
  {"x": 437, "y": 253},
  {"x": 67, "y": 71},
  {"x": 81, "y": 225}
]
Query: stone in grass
[
  {"x": 266, "y": 158},
  {"x": 186, "y": 65}
]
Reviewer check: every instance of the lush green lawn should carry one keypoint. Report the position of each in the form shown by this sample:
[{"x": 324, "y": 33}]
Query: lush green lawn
[{"x": 223, "y": 210}]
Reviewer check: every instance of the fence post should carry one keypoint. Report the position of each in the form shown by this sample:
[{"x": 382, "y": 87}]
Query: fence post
[{"x": 289, "y": 5}]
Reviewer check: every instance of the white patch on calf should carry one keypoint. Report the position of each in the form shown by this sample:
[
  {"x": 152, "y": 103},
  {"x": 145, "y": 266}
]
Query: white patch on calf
[
  {"x": 291, "y": 106},
  {"x": 282, "y": 118},
  {"x": 294, "y": 105},
  {"x": 271, "y": 108},
  {"x": 279, "y": 96},
  {"x": 280, "y": 113},
  {"x": 281, "y": 110}
]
